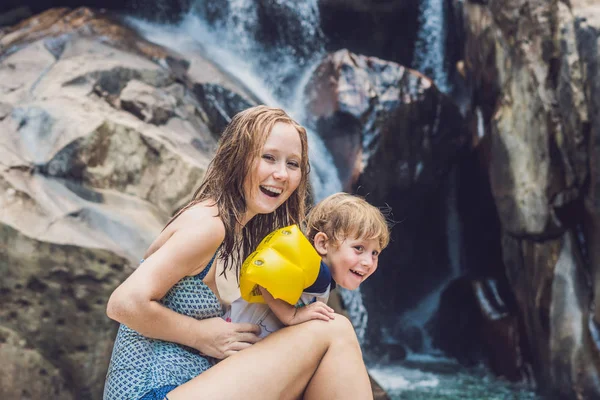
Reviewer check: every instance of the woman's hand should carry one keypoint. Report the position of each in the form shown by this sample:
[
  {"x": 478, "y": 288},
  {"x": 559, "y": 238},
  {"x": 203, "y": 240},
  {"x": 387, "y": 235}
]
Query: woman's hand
[
  {"x": 316, "y": 310},
  {"x": 221, "y": 339}
]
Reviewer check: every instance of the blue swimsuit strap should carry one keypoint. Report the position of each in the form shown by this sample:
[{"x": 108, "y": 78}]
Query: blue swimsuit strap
[{"x": 202, "y": 274}]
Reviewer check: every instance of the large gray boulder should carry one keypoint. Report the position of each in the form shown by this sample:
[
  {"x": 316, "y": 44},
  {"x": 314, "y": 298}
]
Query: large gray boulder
[
  {"x": 104, "y": 136},
  {"x": 534, "y": 69}
]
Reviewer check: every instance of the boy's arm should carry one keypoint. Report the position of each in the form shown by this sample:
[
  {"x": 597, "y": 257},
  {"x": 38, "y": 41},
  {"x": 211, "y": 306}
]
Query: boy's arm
[
  {"x": 283, "y": 311},
  {"x": 290, "y": 315}
]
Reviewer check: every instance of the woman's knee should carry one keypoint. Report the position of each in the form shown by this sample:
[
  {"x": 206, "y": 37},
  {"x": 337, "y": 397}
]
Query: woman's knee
[
  {"x": 345, "y": 330},
  {"x": 344, "y": 325},
  {"x": 336, "y": 329}
]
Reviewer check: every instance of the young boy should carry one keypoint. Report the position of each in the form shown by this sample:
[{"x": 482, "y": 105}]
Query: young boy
[{"x": 294, "y": 279}]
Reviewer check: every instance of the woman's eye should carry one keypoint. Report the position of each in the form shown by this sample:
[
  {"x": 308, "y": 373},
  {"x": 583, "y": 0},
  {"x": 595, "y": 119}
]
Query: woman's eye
[
  {"x": 268, "y": 157},
  {"x": 294, "y": 164}
]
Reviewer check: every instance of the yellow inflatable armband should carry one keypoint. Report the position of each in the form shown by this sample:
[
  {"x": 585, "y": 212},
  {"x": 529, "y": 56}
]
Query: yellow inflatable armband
[{"x": 284, "y": 263}]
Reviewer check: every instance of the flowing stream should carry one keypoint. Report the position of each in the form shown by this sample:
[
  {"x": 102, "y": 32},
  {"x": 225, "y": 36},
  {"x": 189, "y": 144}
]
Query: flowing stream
[
  {"x": 430, "y": 51},
  {"x": 230, "y": 43},
  {"x": 425, "y": 377}
]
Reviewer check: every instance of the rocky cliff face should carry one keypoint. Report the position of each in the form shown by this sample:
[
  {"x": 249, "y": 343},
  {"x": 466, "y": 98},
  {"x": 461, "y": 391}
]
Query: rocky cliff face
[
  {"x": 394, "y": 138},
  {"x": 104, "y": 136},
  {"x": 533, "y": 66}
]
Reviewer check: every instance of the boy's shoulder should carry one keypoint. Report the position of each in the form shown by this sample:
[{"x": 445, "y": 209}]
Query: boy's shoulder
[{"x": 310, "y": 297}]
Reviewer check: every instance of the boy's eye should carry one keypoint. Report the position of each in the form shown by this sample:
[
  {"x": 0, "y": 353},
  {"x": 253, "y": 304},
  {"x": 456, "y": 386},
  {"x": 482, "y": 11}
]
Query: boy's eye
[
  {"x": 375, "y": 253},
  {"x": 359, "y": 248}
]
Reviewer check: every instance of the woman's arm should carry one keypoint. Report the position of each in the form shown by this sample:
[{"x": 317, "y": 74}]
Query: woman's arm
[
  {"x": 290, "y": 315},
  {"x": 135, "y": 302}
]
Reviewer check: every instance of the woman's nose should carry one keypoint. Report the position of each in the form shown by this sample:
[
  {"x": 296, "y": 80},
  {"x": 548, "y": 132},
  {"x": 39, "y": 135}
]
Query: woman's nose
[{"x": 280, "y": 172}]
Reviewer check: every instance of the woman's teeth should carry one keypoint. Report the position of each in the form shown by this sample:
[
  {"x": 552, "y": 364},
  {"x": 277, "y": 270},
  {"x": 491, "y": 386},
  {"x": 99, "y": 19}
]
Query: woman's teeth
[{"x": 271, "y": 191}]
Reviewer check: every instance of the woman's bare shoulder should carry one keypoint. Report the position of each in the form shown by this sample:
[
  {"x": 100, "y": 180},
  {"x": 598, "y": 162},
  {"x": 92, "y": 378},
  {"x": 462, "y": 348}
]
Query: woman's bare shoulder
[
  {"x": 201, "y": 219},
  {"x": 200, "y": 222}
]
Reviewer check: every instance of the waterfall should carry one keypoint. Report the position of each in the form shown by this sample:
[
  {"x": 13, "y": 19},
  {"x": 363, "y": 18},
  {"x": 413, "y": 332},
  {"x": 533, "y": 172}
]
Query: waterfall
[
  {"x": 421, "y": 314},
  {"x": 357, "y": 311},
  {"x": 293, "y": 37},
  {"x": 429, "y": 58},
  {"x": 242, "y": 21},
  {"x": 480, "y": 123},
  {"x": 229, "y": 45},
  {"x": 430, "y": 47}
]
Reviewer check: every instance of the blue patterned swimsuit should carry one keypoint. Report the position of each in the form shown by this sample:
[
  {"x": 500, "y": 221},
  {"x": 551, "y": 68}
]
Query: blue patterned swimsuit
[{"x": 144, "y": 368}]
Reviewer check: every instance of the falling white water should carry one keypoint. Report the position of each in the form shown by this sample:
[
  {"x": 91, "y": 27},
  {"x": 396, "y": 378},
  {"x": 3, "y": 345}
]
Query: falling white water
[
  {"x": 324, "y": 179},
  {"x": 242, "y": 19},
  {"x": 192, "y": 34},
  {"x": 357, "y": 311},
  {"x": 480, "y": 123},
  {"x": 418, "y": 317},
  {"x": 237, "y": 30},
  {"x": 430, "y": 47}
]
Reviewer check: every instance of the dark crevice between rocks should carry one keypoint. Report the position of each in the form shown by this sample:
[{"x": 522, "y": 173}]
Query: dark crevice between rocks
[
  {"x": 478, "y": 319},
  {"x": 220, "y": 105},
  {"x": 113, "y": 81},
  {"x": 56, "y": 45},
  {"x": 65, "y": 164},
  {"x": 36, "y": 285},
  {"x": 388, "y": 33}
]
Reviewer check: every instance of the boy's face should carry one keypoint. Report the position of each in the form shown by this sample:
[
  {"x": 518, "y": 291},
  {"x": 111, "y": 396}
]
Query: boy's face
[{"x": 352, "y": 261}]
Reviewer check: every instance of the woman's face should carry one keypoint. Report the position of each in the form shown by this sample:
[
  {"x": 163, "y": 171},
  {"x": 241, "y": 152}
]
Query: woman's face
[{"x": 276, "y": 172}]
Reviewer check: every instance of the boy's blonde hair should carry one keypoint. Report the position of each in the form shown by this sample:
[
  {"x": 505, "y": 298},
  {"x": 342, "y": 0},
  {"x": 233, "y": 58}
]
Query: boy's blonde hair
[{"x": 343, "y": 215}]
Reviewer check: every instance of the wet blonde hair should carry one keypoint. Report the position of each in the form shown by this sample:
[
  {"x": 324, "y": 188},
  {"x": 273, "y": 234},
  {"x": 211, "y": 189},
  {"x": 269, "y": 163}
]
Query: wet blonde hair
[
  {"x": 343, "y": 215},
  {"x": 239, "y": 147}
]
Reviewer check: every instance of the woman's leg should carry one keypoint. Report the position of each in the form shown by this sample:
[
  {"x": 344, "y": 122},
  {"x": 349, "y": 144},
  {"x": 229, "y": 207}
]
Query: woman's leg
[
  {"x": 333, "y": 376},
  {"x": 286, "y": 363}
]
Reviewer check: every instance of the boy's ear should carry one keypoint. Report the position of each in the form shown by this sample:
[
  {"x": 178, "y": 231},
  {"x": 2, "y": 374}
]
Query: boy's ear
[{"x": 321, "y": 243}]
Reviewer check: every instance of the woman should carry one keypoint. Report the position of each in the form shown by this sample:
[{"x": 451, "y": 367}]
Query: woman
[{"x": 171, "y": 332}]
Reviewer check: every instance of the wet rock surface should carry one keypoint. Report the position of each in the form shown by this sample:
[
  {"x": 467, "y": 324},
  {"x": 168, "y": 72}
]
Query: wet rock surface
[
  {"x": 394, "y": 138},
  {"x": 533, "y": 68},
  {"x": 103, "y": 138}
]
